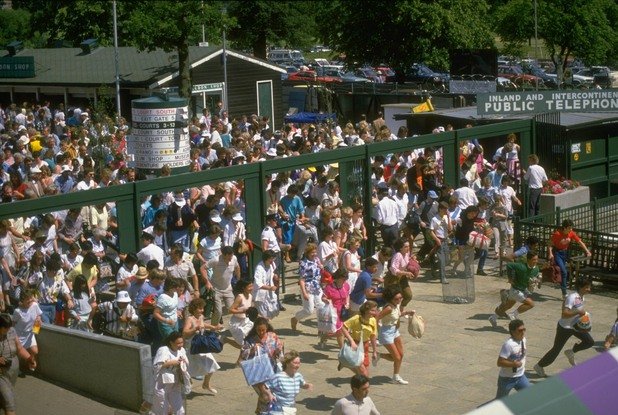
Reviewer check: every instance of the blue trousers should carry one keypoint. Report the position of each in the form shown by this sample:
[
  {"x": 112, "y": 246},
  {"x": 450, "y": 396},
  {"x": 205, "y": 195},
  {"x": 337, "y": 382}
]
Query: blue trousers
[
  {"x": 506, "y": 384},
  {"x": 561, "y": 258}
]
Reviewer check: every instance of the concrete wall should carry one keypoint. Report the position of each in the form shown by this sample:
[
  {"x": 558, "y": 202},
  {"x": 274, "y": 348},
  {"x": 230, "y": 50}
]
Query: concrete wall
[{"x": 113, "y": 370}]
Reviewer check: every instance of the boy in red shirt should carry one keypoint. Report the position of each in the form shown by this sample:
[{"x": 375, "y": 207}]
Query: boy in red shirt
[{"x": 559, "y": 249}]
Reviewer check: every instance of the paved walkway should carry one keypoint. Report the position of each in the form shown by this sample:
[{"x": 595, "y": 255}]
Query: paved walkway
[{"x": 451, "y": 370}]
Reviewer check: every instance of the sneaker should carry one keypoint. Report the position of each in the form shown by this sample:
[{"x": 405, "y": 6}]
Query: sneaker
[
  {"x": 399, "y": 380},
  {"x": 375, "y": 360},
  {"x": 570, "y": 355},
  {"x": 511, "y": 316},
  {"x": 540, "y": 371},
  {"x": 493, "y": 320},
  {"x": 481, "y": 272}
]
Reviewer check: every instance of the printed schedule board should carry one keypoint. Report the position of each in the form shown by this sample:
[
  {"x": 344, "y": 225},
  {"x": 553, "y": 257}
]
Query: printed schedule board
[
  {"x": 533, "y": 102},
  {"x": 159, "y": 133}
]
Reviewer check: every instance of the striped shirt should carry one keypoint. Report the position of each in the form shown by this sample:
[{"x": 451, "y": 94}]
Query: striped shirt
[
  {"x": 285, "y": 388},
  {"x": 112, "y": 313}
]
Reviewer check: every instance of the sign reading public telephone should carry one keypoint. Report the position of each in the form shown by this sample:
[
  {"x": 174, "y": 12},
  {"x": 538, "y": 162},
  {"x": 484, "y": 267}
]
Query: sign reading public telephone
[
  {"x": 159, "y": 133},
  {"x": 534, "y": 102}
]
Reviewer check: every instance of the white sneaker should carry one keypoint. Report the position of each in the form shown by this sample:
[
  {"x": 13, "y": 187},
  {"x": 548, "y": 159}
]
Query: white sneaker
[
  {"x": 540, "y": 371},
  {"x": 493, "y": 320},
  {"x": 512, "y": 316},
  {"x": 399, "y": 380},
  {"x": 570, "y": 355}
]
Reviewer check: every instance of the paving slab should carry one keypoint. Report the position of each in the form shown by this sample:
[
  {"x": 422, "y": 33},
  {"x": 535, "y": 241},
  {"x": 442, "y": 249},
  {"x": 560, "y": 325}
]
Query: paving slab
[{"x": 451, "y": 370}]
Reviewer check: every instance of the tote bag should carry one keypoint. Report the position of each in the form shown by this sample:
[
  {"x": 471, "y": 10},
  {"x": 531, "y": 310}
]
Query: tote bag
[
  {"x": 351, "y": 358},
  {"x": 416, "y": 326},
  {"x": 207, "y": 342},
  {"x": 258, "y": 369},
  {"x": 327, "y": 319}
]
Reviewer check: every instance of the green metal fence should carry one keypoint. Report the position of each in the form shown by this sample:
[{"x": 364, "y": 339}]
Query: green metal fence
[{"x": 353, "y": 165}]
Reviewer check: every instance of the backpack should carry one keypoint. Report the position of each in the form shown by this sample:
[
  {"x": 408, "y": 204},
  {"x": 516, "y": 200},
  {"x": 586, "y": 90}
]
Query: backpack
[{"x": 425, "y": 212}]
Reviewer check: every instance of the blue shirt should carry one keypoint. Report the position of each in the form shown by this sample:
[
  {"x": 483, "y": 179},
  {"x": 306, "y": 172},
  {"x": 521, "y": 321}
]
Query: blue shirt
[
  {"x": 146, "y": 289},
  {"x": 362, "y": 283}
]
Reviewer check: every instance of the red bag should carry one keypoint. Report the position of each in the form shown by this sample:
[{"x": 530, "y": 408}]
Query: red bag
[{"x": 413, "y": 266}]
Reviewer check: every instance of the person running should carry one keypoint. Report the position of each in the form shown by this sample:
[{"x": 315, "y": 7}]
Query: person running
[
  {"x": 559, "y": 250},
  {"x": 572, "y": 311},
  {"x": 358, "y": 402},
  {"x": 309, "y": 269},
  {"x": 283, "y": 388},
  {"x": 363, "y": 326},
  {"x": 512, "y": 361},
  {"x": 389, "y": 335},
  {"x": 520, "y": 278}
]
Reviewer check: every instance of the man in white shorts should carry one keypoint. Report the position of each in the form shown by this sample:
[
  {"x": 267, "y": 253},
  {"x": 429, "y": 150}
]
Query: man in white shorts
[{"x": 520, "y": 275}]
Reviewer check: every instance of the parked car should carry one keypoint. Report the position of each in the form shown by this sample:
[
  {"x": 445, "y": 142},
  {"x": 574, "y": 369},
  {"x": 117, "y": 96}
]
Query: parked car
[
  {"x": 290, "y": 69},
  {"x": 388, "y": 75},
  {"x": 549, "y": 80},
  {"x": 516, "y": 74},
  {"x": 601, "y": 75},
  {"x": 369, "y": 73},
  {"x": 423, "y": 75},
  {"x": 312, "y": 76},
  {"x": 352, "y": 78}
]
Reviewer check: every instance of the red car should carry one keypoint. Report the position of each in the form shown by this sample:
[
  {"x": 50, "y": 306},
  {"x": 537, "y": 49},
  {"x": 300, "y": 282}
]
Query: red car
[
  {"x": 516, "y": 75},
  {"x": 311, "y": 76}
]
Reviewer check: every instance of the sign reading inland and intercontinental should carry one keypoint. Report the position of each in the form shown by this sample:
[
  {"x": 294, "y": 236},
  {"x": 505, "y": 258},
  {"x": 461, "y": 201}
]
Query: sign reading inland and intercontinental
[{"x": 547, "y": 101}]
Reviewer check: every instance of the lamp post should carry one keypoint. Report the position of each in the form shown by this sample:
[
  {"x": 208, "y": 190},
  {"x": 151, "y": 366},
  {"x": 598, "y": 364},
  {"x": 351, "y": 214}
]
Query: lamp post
[
  {"x": 224, "y": 98},
  {"x": 116, "y": 63}
]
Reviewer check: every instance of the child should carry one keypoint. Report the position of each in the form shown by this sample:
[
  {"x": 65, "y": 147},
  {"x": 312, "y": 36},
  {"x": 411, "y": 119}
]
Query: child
[
  {"x": 82, "y": 313},
  {"x": 612, "y": 337},
  {"x": 24, "y": 317}
]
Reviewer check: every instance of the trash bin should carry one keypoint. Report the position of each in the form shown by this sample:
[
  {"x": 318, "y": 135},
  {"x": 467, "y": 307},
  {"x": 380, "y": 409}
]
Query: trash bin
[{"x": 460, "y": 277}]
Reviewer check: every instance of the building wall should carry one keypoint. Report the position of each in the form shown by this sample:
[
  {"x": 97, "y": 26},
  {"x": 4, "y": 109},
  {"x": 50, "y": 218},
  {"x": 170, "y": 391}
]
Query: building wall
[{"x": 242, "y": 89}]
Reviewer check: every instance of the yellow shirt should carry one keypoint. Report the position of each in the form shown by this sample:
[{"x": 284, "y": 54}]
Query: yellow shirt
[
  {"x": 91, "y": 273},
  {"x": 354, "y": 326}
]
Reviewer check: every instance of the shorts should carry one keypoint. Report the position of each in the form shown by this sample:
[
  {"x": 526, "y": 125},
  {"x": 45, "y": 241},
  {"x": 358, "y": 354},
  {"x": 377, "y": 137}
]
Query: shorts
[
  {"x": 388, "y": 334},
  {"x": 518, "y": 295}
]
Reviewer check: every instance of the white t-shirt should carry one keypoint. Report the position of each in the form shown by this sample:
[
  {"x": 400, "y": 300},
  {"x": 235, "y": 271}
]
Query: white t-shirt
[
  {"x": 536, "y": 176},
  {"x": 439, "y": 226},
  {"x": 507, "y": 195},
  {"x": 513, "y": 350},
  {"x": 574, "y": 301},
  {"x": 465, "y": 197}
]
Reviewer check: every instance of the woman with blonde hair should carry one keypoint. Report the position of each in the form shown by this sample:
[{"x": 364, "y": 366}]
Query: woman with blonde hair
[{"x": 283, "y": 388}]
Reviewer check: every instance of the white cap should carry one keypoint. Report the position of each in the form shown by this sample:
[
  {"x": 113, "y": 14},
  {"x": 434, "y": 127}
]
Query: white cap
[
  {"x": 34, "y": 170},
  {"x": 215, "y": 216}
]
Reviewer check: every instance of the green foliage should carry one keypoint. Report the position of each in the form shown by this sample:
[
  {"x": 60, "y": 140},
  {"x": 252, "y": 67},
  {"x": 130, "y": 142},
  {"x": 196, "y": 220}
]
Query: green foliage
[
  {"x": 261, "y": 23},
  {"x": 14, "y": 25},
  {"x": 582, "y": 28},
  {"x": 404, "y": 32}
]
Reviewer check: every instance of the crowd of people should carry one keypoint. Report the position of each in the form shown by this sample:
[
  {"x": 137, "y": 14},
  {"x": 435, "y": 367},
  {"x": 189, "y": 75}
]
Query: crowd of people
[{"x": 195, "y": 264}]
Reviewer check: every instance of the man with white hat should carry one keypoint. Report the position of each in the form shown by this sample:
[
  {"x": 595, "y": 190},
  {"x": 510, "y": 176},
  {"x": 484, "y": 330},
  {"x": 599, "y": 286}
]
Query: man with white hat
[
  {"x": 117, "y": 318},
  {"x": 35, "y": 182}
]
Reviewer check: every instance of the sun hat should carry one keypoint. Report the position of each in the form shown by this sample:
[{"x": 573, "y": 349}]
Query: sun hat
[{"x": 123, "y": 297}]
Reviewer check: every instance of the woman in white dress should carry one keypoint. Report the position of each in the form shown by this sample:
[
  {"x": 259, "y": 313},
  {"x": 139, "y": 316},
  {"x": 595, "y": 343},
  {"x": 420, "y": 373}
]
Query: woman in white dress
[
  {"x": 203, "y": 365},
  {"x": 171, "y": 377},
  {"x": 240, "y": 323}
]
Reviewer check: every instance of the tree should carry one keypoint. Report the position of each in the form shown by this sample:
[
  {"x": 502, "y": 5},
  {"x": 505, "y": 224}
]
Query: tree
[
  {"x": 72, "y": 21},
  {"x": 14, "y": 25},
  {"x": 403, "y": 32},
  {"x": 172, "y": 26},
  {"x": 262, "y": 23},
  {"x": 582, "y": 28}
]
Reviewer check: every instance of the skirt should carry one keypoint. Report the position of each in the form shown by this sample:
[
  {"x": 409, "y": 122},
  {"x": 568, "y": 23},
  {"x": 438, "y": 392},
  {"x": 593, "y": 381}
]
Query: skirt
[
  {"x": 388, "y": 334},
  {"x": 239, "y": 328}
]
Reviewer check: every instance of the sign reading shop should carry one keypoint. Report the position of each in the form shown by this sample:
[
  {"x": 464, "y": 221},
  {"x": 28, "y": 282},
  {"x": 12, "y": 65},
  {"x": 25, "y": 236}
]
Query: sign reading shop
[{"x": 547, "y": 101}]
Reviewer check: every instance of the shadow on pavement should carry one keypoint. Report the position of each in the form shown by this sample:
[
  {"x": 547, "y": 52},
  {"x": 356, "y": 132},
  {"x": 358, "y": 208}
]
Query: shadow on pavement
[
  {"x": 319, "y": 403},
  {"x": 312, "y": 357},
  {"x": 342, "y": 380},
  {"x": 489, "y": 328}
]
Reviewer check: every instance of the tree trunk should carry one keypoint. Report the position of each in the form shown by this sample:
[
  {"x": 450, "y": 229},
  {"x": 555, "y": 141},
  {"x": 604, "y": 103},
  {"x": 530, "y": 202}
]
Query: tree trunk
[
  {"x": 259, "y": 47},
  {"x": 184, "y": 67}
]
